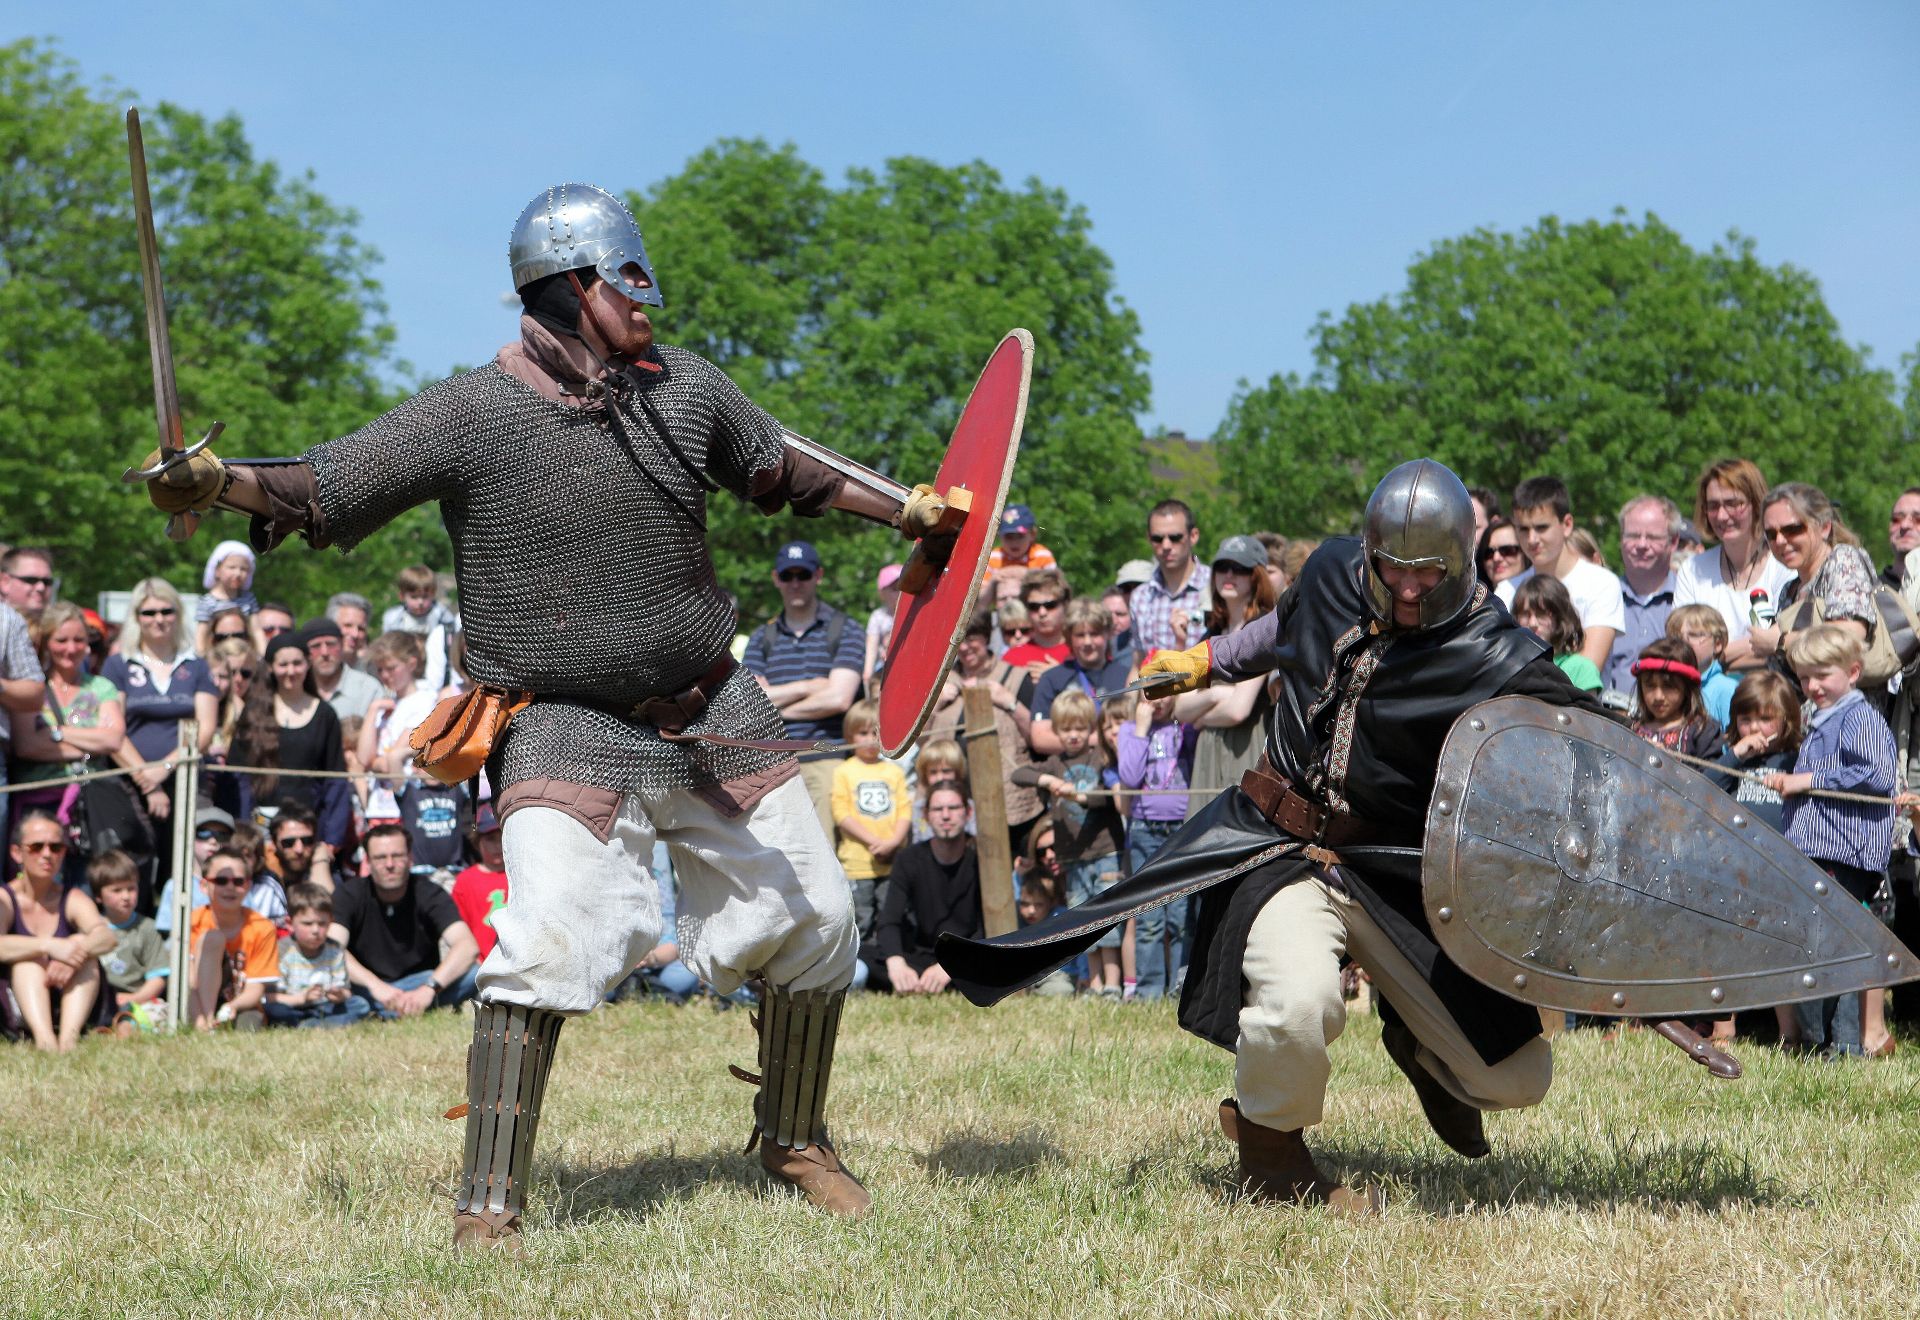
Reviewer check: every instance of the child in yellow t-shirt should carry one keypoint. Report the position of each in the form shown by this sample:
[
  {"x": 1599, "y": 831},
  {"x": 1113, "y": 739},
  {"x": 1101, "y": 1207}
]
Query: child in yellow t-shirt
[{"x": 872, "y": 811}]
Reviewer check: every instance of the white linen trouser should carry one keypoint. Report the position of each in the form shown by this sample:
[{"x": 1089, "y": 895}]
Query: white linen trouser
[
  {"x": 1294, "y": 1011},
  {"x": 760, "y": 895}
]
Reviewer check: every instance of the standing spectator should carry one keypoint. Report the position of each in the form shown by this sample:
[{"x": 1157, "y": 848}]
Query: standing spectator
[
  {"x": 1156, "y": 761},
  {"x": 1294, "y": 561},
  {"x": 1275, "y": 569},
  {"x": 390, "y": 721},
  {"x": 1008, "y": 562},
  {"x": 353, "y": 614},
  {"x": 1649, "y": 531},
  {"x": 481, "y": 889},
  {"x": 52, "y": 937},
  {"x": 1045, "y": 593},
  {"x": 880, "y": 622},
  {"x": 27, "y": 580},
  {"x": 1543, "y": 515},
  {"x": 1498, "y": 556},
  {"x": 1486, "y": 507},
  {"x": 421, "y": 613},
  {"x": 1168, "y": 608},
  {"x": 1671, "y": 713},
  {"x": 1828, "y": 564},
  {"x": 1847, "y": 747},
  {"x": 287, "y": 727},
  {"x": 1128, "y": 580},
  {"x": 340, "y": 685},
  {"x": 226, "y": 624},
  {"x": 1227, "y": 718},
  {"x": 808, "y": 660},
  {"x": 393, "y": 924},
  {"x": 872, "y": 811},
  {"x": 22, "y": 683},
  {"x": 271, "y": 620},
  {"x": 975, "y": 667},
  {"x": 1014, "y": 625},
  {"x": 1740, "y": 578},
  {"x": 1704, "y": 632},
  {"x": 1903, "y": 535},
  {"x": 1090, "y": 666},
  {"x": 161, "y": 683},
  {"x": 137, "y": 967},
  {"x": 1543, "y": 607},
  {"x": 226, "y": 585},
  {"x": 313, "y": 990},
  {"x": 235, "y": 953},
  {"x": 1118, "y": 600},
  {"x": 233, "y": 663},
  {"x": 935, "y": 890},
  {"x": 81, "y": 718}
]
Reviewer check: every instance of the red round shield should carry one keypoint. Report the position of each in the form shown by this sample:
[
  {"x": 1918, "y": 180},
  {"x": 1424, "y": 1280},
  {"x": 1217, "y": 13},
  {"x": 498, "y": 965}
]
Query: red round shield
[{"x": 928, "y": 623}]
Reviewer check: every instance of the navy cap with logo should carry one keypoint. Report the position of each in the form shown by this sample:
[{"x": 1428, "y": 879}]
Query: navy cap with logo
[
  {"x": 1016, "y": 518},
  {"x": 797, "y": 554}
]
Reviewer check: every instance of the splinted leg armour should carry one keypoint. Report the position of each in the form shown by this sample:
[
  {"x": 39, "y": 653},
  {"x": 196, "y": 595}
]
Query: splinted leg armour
[
  {"x": 797, "y": 1030},
  {"x": 507, "y": 1067}
]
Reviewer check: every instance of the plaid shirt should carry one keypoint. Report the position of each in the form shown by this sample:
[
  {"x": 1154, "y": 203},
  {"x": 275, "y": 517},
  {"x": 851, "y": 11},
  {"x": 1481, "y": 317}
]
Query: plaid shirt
[{"x": 1153, "y": 605}]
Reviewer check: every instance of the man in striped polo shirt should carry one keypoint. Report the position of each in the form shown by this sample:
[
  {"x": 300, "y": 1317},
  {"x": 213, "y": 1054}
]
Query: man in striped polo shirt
[{"x": 808, "y": 659}]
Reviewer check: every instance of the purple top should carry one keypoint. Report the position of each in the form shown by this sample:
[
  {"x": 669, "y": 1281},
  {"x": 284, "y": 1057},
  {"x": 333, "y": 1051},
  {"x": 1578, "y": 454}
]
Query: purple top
[
  {"x": 1162, "y": 760},
  {"x": 1247, "y": 651}
]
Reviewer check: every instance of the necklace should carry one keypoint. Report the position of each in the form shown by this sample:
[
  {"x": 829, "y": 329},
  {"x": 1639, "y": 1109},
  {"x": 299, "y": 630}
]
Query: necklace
[{"x": 1743, "y": 580}]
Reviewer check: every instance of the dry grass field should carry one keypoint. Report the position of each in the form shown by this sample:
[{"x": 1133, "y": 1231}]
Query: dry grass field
[{"x": 1041, "y": 1159}]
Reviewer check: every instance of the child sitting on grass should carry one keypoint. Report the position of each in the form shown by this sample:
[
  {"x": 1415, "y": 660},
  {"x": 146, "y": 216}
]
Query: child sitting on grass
[
  {"x": 1705, "y": 632},
  {"x": 1849, "y": 747},
  {"x": 1670, "y": 713},
  {"x": 234, "y": 951},
  {"x": 136, "y": 970},
  {"x": 1036, "y": 905},
  {"x": 872, "y": 812},
  {"x": 313, "y": 989}
]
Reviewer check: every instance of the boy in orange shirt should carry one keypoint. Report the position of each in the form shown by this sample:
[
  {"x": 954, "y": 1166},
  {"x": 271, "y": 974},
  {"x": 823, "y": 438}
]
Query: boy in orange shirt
[{"x": 228, "y": 977}]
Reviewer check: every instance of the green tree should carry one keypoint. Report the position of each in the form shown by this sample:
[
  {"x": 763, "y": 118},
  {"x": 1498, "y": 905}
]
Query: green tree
[
  {"x": 1609, "y": 353},
  {"x": 276, "y": 324},
  {"x": 860, "y": 315}
]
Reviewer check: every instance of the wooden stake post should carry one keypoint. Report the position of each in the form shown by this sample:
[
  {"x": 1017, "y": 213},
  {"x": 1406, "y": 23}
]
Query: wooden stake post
[
  {"x": 989, "y": 813},
  {"x": 186, "y": 787}
]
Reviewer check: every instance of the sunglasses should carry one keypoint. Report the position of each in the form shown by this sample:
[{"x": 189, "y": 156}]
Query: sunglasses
[
  {"x": 31, "y": 581},
  {"x": 1790, "y": 531},
  {"x": 1052, "y": 603},
  {"x": 796, "y": 575},
  {"x": 1223, "y": 567},
  {"x": 1504, "y": 551},
  {"x": 211, "y": 834},
  {"x": 1017, "y": 632},
  {"x": 226, "y": 882},
  {"x": 296, "y": 841},
  {"x": 230, "y": 636},
  {"x": 240, "y": 673},
  {"x": 1166, "y": 538},
  {"x": 164, "y": 612},
  {"x": 44, "y": 846}
]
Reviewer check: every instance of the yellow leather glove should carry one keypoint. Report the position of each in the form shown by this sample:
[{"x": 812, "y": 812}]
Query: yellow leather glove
[
  {"x": 190, "y": 487},
  {"x": 1190, "y": 670},
  {"x": 921, "y": 514}
]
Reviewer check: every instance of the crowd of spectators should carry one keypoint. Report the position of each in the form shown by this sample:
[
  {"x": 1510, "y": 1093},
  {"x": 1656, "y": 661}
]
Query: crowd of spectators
[{"x": 1754, "y": 635}]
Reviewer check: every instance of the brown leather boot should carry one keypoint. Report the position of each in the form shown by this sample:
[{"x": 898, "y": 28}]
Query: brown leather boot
[
  {"x": 1455, "y": 1123},
  {"x": 472, "y": 1233},
  {"x": 1276, "y": 1166},
  {"x": 797, "y": 1032}
]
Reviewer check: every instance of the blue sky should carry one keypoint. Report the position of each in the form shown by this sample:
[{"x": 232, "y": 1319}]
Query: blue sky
[{"x": 1245, "y": 166}]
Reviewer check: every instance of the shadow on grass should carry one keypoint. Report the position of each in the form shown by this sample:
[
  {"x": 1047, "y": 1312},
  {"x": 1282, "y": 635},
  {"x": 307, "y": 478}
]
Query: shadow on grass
[
  {"x": 575, "y": 1193},
  {"x": 972, "y": 1154}
]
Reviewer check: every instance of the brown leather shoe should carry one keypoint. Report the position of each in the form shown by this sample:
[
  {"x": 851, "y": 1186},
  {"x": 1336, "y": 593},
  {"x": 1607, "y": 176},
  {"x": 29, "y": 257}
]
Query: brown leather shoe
[
  {"x": 1276, "y": 1166},
  {"x": 819, "y": 1175},
  {"x": 473, "y": 1233},
  {"x": 1457, "y": 1124}
]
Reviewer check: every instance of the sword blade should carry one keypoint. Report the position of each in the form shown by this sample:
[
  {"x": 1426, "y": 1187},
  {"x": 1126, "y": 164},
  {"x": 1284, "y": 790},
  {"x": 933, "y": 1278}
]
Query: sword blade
[
  {"x": 166, "y": 398},
  {"x": 877, "y": 482},
  {"x": 1157, "y": 681}
]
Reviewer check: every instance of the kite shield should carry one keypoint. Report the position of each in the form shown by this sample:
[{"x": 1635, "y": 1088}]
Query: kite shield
[
  {"x": 1572, "y": 865},
  {"x": 936, "y": 599}
]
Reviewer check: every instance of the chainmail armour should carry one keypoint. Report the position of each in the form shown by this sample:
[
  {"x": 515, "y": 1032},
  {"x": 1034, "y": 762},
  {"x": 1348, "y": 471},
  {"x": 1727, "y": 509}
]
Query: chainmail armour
[{"x": 579, "y": 541}]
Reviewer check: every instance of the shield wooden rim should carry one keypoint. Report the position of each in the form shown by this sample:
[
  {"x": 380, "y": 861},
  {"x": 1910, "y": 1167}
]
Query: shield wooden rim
[{"x": 932, "y": 621}]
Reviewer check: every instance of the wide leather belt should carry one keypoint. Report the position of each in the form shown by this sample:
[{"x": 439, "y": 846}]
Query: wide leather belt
[
  {"x": 674, "y": 713},
  {"x": 1277, "y": 799}
]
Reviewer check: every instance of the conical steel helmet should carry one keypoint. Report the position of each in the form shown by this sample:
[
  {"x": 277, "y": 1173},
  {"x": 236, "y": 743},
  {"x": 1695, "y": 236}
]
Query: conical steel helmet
[
  {"x": 1420, "y": 516},
  {"x": 575, "y": 225}
]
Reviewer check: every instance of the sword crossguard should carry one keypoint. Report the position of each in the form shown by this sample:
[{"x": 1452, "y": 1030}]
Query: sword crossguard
[{"x": 169, "y": 461}]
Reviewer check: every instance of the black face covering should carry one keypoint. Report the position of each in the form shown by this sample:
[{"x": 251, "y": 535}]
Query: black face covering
[{"x": 551, "y": 301}]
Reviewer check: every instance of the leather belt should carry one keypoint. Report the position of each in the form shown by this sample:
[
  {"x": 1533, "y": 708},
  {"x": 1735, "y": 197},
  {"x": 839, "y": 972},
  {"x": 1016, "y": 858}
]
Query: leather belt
[
  {"x": 674, "y": 713},
  {"x": 1277, "y": 799}
]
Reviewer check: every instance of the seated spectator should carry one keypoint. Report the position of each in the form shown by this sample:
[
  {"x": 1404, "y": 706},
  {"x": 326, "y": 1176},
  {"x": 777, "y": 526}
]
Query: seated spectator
[
  {"x": 51, "y": 938},
  {"x": 481, "y": 889},
  {"x": 313, "y": 990},
  {"x": 1542, "y": 606},
  {"x": 1044, "y": 592},
  {"x": 234, "y": 954},
  {"x": 1036, "y": 904},
  {"x": 1090, "y": 666},
  {"x": 393, "y": 924},
  {"x": 871, "y": 810},
  {"x": 436, "y": 817},
  {"x": 299, "y": 856},
  {"x": 81, "y": 722},
  {"x": 250, "y": 841},
  {"x": 935, "y": 890},
  {"x": 287, "y": 726},
  {"x": 1670, "y": 712},
  {"x": 661, "y": 972},
  {"x": 394, "y": 658},
  {"x": 137, "y": 966},
  {"x": 1705, "y": 634},
  {"x": 227, "y": 588}
]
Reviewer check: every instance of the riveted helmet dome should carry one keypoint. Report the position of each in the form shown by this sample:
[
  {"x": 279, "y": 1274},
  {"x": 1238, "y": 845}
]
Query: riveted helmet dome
[
  {"x": 572, "y": 226},
  {"x": 1420, "y": 516}
]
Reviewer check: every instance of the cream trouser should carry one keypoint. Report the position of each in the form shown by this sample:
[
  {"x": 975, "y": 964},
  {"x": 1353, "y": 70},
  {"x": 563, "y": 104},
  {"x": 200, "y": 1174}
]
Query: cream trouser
[
  {"x": 760, "y": 895},
  {"x": 1294, "y": 1011}
]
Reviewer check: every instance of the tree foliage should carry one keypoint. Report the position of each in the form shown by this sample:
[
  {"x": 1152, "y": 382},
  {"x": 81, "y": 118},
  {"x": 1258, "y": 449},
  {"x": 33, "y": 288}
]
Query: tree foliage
[
  {"x": 276, "y": 324},
  {"x": 861, "y": 314},
  {"x": 1608, "y": 353}
]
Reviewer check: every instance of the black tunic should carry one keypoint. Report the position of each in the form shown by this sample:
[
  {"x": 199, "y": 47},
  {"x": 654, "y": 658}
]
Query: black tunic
[{"x": 1358, "y": 724}]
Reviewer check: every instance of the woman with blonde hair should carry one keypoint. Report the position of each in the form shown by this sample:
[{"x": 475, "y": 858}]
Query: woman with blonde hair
[
  {"x": 1739, "y": 578},
  {"x": 80, "y": 718}
]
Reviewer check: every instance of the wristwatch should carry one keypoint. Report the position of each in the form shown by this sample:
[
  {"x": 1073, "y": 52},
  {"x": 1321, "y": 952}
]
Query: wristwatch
[{"x": 435, "y": 983}]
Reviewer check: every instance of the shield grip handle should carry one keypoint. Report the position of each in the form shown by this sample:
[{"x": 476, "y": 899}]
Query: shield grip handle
[{"x": 926, "y": 562}]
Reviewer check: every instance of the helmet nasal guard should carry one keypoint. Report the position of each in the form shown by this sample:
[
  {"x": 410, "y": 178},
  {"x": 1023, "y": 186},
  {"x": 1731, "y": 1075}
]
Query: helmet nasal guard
[
  {"x": 1420, "y": 516},
  {"x": 576, "y": 225}
]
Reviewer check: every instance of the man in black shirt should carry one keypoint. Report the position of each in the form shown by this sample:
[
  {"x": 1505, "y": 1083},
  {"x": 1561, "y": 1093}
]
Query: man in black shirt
[
  {"x": 393, "y": 926},
  {"x": 934, "y": 888}
]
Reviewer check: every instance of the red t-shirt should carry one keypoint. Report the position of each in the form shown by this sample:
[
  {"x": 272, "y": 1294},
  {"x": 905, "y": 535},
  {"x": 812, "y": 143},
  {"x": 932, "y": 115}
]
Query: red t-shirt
[
  {"x": 479, "y": 893},
  {"x": 1027, "y": 652}
]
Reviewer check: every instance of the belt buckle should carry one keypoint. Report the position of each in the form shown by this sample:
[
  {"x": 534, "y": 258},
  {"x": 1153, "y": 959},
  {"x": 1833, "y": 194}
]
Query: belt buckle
[{"x": 1317, "y": 850}]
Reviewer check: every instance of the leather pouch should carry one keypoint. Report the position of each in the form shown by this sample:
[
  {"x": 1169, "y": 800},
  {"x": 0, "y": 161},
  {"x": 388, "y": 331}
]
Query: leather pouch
[{"x": 453, "y": 742}]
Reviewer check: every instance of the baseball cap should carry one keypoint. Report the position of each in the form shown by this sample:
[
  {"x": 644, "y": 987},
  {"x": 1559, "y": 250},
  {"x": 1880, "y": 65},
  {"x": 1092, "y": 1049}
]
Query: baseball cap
[
  {"x": 1242, "y": 550},
  {"x": 212, "y": 816},
  {"x": 484, "y": 819},
  {"x": 1689, "y": 534},
  {"x": 797, "y": 554},
  {"x": 888, "y": 576},
  {"x": 1016, "y": 518},
  {"x": 1133, "y": 573}
]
